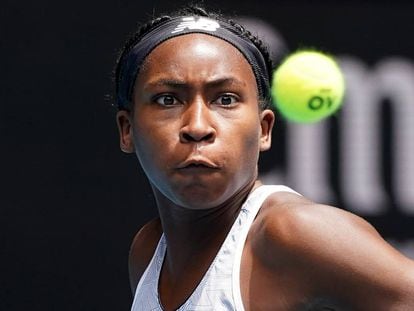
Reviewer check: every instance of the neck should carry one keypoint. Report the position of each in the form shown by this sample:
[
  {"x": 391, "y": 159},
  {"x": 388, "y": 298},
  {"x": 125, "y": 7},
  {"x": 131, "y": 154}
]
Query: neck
[{"x": 189, "y": 232}]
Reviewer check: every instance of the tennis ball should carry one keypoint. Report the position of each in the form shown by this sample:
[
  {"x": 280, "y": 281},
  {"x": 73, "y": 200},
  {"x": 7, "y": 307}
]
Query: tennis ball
[{"x": 308, "y": 86}]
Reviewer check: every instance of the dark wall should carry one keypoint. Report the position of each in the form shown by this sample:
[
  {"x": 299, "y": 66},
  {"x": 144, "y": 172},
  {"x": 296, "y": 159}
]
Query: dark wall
[{"x": 70, "y": 200}]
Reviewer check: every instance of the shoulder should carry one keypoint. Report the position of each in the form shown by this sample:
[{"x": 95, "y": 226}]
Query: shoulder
[
  {"x": 330, "y": 246},
  {"x": 142, "y": 249},
  {"x": 291, "y": 219}
]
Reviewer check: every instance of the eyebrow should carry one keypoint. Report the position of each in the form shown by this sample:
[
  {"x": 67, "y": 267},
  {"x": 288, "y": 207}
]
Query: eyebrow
[
  {"x": 173, "y": 83},
  {"x": 181, "y": 84}
]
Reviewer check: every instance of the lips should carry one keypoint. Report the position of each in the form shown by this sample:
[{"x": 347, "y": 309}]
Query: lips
[{"x": 197, "y": 162}]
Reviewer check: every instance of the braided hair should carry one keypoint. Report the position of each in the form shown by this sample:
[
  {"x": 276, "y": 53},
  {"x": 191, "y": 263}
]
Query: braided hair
[{"x": 264, "y": 103}]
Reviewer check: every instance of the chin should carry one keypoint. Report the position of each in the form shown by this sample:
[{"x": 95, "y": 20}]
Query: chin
[
  {"x": 203, "y": 192},
  {"x": 200, "y": 198}
]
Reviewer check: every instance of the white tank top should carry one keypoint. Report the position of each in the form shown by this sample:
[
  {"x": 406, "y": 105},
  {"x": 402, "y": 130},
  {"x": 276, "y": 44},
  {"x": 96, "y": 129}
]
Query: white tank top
[{"x": 219, "y": 289}]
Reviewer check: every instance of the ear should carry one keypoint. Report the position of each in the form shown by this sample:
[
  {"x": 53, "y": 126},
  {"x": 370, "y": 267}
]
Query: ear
[
  {"x": 267, "y": 118},
  {"x": 126, "y": 142}
]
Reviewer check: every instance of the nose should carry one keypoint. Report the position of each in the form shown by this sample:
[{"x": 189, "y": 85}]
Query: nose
[{"x": 197, "y": 125}]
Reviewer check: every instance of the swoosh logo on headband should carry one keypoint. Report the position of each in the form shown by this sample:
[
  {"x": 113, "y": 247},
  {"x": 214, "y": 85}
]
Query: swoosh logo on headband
[{"x": 201, "y": 23}]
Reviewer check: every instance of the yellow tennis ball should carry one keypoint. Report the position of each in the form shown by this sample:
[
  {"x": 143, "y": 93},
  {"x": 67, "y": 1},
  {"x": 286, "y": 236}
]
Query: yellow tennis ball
[{"x": 308, "y": 86}]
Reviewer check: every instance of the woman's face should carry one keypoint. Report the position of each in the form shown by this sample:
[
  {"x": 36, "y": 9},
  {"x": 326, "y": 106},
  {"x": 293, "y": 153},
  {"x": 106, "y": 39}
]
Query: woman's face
[{"x": 196, "y": 125}]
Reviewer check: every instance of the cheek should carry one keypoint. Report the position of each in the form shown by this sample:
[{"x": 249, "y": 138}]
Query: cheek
[
  {"x": 245, "y": 141},
  {"x": 150, "y": 127},
  {"x": 252, "y": 147},
  {"x": 152, "y": 142},
  {"x": 151, "y": 150}
]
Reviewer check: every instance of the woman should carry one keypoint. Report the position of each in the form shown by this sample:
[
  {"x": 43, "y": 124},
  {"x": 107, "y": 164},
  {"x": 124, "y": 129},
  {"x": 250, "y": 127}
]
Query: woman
[{"x": 193, "y": 98}]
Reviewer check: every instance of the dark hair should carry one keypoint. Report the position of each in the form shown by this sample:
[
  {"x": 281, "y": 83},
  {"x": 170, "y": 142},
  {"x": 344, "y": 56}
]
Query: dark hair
[{"x": 264, "y": 103}]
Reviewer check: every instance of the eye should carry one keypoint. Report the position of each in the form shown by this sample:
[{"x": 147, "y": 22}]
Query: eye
[
  {"x": 166, "y": 100},
  {"x": 226, "y": 100}
]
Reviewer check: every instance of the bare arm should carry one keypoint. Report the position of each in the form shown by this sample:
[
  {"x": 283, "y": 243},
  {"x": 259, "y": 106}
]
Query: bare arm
[{"x": 339, "y": 255}]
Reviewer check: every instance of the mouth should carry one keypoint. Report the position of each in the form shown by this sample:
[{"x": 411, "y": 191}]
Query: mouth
[{"x": 197, "y": 163}]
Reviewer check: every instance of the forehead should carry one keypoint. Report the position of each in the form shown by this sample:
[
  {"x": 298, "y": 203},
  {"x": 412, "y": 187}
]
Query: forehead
[{"x": 197, "y": 54}]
